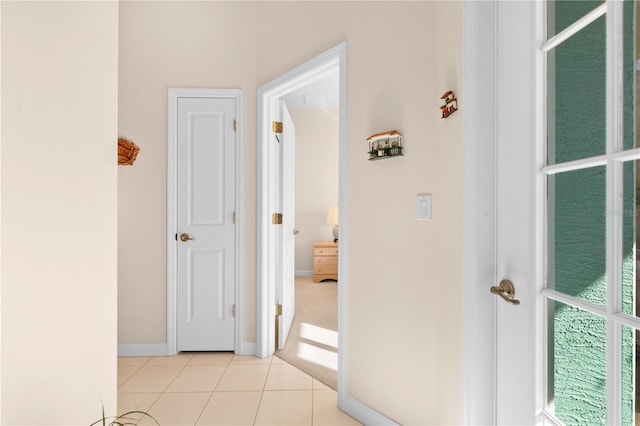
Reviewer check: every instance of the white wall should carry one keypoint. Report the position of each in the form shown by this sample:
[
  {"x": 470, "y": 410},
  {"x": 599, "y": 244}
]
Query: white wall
[
  {"x": 404, "y": 282},
  {"x": 59, "y": 211},
  {"x": 215, "y": 49},
  {"x": 316, "y": 178}
]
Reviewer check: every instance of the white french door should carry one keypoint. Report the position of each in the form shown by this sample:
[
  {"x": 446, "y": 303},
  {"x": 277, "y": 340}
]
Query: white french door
[
  {"x": 566, "y": 211},
  {"x": 589, "y": 173}
]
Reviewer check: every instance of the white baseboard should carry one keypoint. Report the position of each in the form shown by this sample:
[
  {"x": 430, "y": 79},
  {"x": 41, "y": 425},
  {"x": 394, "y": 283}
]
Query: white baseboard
[
  {"x": 160, "y": 349},
  {"x": 363, "y": 413},
  {"x": 304, "y": 273},
  {"x": 247, "y": 348},
  {"x": 143, "y": 349}
]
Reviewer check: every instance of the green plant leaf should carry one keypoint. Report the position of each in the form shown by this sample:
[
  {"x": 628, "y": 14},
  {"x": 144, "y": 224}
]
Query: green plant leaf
[
  {"x": 144, "y": 414},
  {"x": 121, "y": 420}
]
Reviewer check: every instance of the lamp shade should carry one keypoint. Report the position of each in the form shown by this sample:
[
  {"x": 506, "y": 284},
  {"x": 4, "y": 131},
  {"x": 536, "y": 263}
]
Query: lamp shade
[{"x": 332, "y": 217}]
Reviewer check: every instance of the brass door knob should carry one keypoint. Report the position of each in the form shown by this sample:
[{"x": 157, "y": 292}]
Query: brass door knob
[
  {"x": 186, "y": 237},
  {"x": 507, "y": 291}
]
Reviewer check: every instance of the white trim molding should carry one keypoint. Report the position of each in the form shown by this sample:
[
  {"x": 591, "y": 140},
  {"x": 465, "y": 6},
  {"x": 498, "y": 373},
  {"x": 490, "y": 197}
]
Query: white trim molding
[
  {"x": 142, "y": 349},
  {"x": 365, "y": 414},
  {"x": 479, "y": 210},
  {"x": 268, "y": 93},
  {"x": 172, "y": 154}
]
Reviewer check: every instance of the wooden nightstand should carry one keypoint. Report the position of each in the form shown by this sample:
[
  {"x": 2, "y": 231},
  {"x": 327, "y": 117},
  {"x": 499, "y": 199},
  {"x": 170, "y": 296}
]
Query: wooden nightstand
[{"x": 325, "y": 261}]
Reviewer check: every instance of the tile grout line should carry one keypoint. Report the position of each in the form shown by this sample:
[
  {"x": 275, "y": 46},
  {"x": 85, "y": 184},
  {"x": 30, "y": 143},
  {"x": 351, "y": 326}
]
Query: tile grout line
[
  {"x": 169, "y": 385},
  {"x": 216, "y": 387},
  {"x": 213, "y": 391},
  {"x": 177, "y": 375},
  {"x": 129, "y": 378},
  {"x": 255, "y": 417},
  {"x": 149, "y": 409}
]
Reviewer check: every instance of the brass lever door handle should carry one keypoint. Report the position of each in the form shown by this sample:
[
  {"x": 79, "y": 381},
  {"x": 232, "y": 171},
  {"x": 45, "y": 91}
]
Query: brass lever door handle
[
  {"x": 186, "y": 237},
  {"x": 507, "y": 291}
]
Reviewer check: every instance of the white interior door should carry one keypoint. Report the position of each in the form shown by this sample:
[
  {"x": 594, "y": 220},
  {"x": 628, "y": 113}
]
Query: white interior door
[
  {"x": 205, "y": 224},
  {"x": 285, "y": 292},
  {"x": 566, "y": 211}
]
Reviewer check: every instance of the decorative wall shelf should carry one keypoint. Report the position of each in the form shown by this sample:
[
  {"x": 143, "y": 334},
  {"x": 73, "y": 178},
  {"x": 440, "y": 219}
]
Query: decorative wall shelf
[
  {"x": 450, "y": 104},
  {"x": 385, "y": 145}
]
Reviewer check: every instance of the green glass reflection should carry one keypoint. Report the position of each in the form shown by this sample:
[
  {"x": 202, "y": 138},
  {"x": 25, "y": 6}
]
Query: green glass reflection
[
  {"x": 627, "y": 380},
  {"x": 630, "y": 215},
  {"x": 629, "y": 74},
  {"x": 577, "y": 96},
  {"x": 577, "y": 385},
  {"x": 577, "y": 233},
  {"x": 629, "y": 236},
  {"x": 561, "y": 14}
]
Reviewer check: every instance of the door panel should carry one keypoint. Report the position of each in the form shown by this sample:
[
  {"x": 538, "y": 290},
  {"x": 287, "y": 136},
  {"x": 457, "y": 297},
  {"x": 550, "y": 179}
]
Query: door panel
[
  {"x": 204, "y": 301},
  {"x": 206, "y": 162},
  {"x": 206, "y": 201},
  {"x": 286, "y": 289}
]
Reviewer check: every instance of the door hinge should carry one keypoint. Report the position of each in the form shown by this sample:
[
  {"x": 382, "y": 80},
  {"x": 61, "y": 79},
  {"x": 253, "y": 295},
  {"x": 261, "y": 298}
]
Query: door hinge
[
  {"x": 278, "y": 309},
  {"x": 276, "y": 126},
  {"x": 276, "y": 219},
  {"x": 235, "y": 128},
  {"x": 235, "y": 311},
  {"x": 234, "y": 218}
]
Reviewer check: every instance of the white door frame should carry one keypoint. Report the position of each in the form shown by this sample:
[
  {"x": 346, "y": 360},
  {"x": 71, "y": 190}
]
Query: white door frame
[
  {"x": 269, "y": 93},
  {"x": 172, "y": 174},
  {"x": 478, "y": 213},
  {"x": 481, "y": 132},
  {"x": 265, "y": 298}
]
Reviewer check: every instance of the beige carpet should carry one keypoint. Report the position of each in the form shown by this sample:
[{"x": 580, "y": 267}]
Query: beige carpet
[{"x": 312, "y": 345}]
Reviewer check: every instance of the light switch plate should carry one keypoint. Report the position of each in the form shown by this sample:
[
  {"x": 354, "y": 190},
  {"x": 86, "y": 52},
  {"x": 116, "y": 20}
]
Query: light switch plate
[{"x": 423, "y": 207}]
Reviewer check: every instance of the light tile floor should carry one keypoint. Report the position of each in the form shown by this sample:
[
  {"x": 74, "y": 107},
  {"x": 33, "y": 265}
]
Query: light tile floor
[{"x": 224, "y": 389}]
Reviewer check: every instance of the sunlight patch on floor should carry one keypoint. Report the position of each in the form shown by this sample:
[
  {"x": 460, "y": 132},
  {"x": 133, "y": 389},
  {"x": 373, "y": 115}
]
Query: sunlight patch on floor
[
  {"x": 321, "y": 335},
  {"x": 317, "y": 355}
]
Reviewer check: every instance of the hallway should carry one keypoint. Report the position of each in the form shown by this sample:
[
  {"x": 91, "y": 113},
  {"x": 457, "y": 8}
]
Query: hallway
[{"x": 221, "y": 388}]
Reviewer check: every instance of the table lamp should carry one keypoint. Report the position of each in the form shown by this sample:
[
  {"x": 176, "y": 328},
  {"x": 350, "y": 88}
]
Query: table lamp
[{"x": 332, "y": 219}]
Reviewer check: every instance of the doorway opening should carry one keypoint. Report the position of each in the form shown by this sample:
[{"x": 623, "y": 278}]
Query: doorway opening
[
  {"x": 312, "y": 342},
  {"x": 269, "y": 244}
]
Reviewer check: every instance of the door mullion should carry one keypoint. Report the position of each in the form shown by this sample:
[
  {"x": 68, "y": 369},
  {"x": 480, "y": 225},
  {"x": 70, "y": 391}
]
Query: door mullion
[{"x": 614, "y": 222}]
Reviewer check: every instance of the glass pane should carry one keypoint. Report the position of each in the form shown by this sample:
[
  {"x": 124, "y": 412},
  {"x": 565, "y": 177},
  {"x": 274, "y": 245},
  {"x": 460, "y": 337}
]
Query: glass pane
[
  {"x": 561, "y": 14},
  {"x": 629, "y": 238},
  {"x": 576, "y": 223},
  {"x": 629, "y": 376},
  {"x": 630, "y": 75},
  {"x": 577, "y": 365},
  {"x": 576, "y": 75}
]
